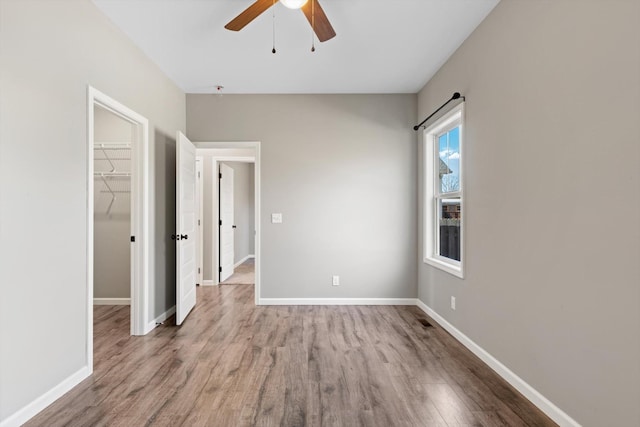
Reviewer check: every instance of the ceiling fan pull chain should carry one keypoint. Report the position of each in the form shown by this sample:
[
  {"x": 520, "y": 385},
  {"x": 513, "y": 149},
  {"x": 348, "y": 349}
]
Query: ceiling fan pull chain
[
  {"x": 313, "y": 26},
  {"x": 274, "y": 26}
]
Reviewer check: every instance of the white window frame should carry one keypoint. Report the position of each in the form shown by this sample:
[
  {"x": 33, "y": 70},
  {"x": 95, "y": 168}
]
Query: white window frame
[{"x": 452, "y": 119}]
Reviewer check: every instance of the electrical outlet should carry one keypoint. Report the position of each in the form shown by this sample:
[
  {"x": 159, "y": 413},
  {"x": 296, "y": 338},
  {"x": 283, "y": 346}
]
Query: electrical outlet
[
  {"x": 453, "y": 303},
  {"x": 276, "y": 218},
  {"x": 335, "y": 281}
]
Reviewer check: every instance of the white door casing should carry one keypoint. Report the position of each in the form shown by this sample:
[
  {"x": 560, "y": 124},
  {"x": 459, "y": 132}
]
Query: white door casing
[
  {"x": 140, "y": 202},
  {"x": 252, "y": 156},
  {"x": 226, "y": 222},
  {"x": 186, "y": 226}
]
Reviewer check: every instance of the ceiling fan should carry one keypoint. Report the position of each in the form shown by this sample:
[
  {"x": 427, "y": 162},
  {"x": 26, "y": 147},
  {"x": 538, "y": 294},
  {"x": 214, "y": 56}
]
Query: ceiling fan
[{"x": 311, "y": 9}]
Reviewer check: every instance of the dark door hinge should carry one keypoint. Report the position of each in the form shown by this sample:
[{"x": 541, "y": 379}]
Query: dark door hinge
[{"x": 133, "y": 238}]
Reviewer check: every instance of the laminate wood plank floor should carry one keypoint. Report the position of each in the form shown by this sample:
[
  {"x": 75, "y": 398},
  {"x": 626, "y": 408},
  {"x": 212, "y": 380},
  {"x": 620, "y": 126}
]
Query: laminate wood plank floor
[{"x": 234, "y": 364}]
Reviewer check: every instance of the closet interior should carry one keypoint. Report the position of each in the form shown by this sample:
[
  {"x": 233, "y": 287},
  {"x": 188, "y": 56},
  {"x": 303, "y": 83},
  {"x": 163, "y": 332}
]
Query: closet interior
[{"x": 112, "y": 152}]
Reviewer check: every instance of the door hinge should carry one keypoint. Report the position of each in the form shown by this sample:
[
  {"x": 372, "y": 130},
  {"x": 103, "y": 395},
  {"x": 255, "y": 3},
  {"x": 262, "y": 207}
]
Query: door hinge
[
  {"x": 220, "y": 223},
  {"x": 220, "y": 175},
  {"x": 219, "y": 269},
  {"x": 198, "y": 270},
  {"x": 133, "y": 238},
  {"x": 198, "y": 222},
  {"x": 198, "y": 174}
]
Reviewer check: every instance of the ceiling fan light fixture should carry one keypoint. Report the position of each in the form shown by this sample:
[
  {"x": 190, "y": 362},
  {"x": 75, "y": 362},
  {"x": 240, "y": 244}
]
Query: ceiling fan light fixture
[{"x": 293, "y": 4}]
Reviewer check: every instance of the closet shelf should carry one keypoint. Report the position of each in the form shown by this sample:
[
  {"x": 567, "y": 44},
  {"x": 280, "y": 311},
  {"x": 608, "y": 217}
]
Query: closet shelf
[
  {"x": 113, "y": 153},
  {"x": 109, "y": 189},
  {"x": 107, "y": 174},
  {"x": 114, "y": 146}
]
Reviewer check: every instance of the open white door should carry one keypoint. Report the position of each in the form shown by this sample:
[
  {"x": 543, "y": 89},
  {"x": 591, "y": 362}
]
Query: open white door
[
  {"x": 226, "y": 222},
  {"x": 186, "y": 218}
]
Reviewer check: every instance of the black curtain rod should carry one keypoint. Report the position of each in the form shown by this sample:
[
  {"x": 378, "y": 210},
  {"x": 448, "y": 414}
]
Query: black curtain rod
[{"x": 456, "y": 95}]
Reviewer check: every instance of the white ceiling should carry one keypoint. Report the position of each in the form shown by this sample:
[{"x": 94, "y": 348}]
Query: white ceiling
[{"x": 382, "y": 46}]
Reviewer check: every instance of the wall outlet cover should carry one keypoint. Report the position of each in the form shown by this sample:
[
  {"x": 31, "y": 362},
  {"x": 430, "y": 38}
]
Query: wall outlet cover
[{"x": 276, "y": 218}]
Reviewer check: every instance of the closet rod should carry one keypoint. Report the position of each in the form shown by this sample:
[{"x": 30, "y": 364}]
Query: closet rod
[
  {"x": 103, "y": 174},
  {"x": 113, "y": 146}
]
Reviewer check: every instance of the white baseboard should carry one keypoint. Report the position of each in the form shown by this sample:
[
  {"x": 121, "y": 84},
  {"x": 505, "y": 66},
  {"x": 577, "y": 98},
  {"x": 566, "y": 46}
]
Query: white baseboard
[
  {"x": 337, "y": 301},
  {"x": 208, "y": 283},
  {"x": 155, "y": 322},
  {"x": 32, "y": 409},
  {"x": 112, "y": 301},
  {"x": 544, "y": 404},
  {"x": 243, "y": 260}
]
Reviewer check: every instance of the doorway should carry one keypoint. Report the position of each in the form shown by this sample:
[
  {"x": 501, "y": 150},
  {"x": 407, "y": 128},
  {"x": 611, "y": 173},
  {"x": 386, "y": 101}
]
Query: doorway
[
  {"x": 214, "y": 154},
  {"x": 114, "y": 139},
  {"x": 236, "y": 227},
  {"x": 117, "y": 211}
]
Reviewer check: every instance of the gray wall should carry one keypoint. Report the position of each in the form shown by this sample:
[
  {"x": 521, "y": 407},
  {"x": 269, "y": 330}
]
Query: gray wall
[
  {"x": 49, "y": 53},
  {"x": 552, "y": 201},
  {"x": 112, "y": 221},
  {"x": 342, "y": 169},
  {"x": 243, "y": 214}
]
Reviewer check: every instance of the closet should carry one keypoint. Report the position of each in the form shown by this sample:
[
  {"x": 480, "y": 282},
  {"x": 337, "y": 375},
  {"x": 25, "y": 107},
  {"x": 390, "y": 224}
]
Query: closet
[{"x": 113, "y": 139}]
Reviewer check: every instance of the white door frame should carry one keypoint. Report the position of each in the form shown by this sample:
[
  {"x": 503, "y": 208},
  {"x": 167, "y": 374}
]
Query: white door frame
[
  {"x": 139, "y": 214},
  {"x": 201, "y": 148},
  {"x": 216, "y": 209},
  {"x": 200, "y": 210}
]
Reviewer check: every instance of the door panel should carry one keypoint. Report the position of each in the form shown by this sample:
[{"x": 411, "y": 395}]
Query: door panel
[{"x": 186, "y": 225}]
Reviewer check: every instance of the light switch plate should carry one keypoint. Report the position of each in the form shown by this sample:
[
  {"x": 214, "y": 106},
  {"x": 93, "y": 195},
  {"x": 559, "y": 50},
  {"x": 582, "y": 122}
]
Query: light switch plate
[{"x": 276, "y": 218}]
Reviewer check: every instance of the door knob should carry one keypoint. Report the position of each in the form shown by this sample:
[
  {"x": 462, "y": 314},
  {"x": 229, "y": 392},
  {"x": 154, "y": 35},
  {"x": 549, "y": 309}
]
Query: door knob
[
  {"x": 173, "y": 237},
  {"x": 233, "y": 226},
  {"x": 184, "y": 236}
]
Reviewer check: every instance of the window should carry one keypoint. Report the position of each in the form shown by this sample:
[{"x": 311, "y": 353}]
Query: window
[{"x": 444, "y": 207}]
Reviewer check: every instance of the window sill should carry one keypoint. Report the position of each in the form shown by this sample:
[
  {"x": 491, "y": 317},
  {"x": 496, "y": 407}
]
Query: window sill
[{"x": 454, "y": 269}]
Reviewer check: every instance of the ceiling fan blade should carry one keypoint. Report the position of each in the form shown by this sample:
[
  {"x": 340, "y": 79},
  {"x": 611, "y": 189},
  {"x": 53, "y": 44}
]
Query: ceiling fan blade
[
  {"x": 249, "y": 14},
  {"x": 318, "y": 20}
]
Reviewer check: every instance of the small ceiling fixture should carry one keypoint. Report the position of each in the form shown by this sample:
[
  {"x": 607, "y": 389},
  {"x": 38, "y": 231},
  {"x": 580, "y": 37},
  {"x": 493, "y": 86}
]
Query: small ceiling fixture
[{"x": 294, "y": 4}]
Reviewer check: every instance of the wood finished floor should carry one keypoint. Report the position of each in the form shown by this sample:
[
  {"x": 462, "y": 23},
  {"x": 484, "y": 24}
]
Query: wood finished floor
[
  {"x": 234, "y": 364},
  {"x": 244, "y": 274}
]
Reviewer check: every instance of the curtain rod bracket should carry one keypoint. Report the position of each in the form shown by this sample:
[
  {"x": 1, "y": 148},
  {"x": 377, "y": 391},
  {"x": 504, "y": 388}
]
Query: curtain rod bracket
[{"x": 456, "y": 95}]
